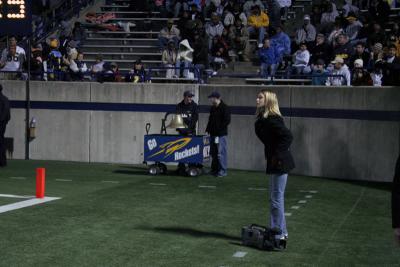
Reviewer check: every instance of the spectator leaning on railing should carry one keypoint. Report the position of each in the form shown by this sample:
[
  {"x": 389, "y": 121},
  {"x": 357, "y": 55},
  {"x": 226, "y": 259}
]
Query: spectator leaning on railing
[
  {"x": 391, "y": 68},
  {"x": 12, "y": 59},
  {"x": 319, "y": 73},
  {"x": 340, "y": 74}
]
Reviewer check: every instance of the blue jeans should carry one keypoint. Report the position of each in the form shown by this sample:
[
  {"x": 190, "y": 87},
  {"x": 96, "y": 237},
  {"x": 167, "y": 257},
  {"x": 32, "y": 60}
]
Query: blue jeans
[
  {"x": 260, "y": 31},
  {"x": 219, "y": 155},
  {"x": 185, "y": 64},
  {"x": 163, "y": 42},
  {"x": 277, "y": 184},
  {"x": 267, "y": 70}
]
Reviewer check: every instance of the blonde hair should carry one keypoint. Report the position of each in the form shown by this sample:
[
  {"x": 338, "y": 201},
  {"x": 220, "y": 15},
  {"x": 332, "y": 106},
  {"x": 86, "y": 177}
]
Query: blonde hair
[{"x": 271, "y": 106}]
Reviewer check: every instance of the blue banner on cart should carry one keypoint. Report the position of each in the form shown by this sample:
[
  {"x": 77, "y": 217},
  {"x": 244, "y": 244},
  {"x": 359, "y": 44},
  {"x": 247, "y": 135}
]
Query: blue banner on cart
[{"x": 176, "y": 148}]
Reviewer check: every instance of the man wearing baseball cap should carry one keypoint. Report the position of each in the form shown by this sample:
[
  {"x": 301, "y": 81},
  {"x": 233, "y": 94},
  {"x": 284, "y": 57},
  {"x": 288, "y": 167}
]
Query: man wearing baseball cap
[
  {"x": 340, "y": 75},
  {"x": 189, "y": 111},
  {"x": 217, "y": 127}
]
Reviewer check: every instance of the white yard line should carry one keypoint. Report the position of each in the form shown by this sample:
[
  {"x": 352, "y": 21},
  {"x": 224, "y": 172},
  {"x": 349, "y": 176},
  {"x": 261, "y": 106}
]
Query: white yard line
[
  {"x": 302, "y": 201},
  {"x": 26, "y": 203},
  {"x": 111, "y": 182},
  {"x": 18, "y": 178},
  {"x": 239, "y": 254},
  {"x": 15, "y": 196},
  {"x": 257, "y": 189},
  {"x": 308, "y": 196},
  {"x": 295, "y": 207},
  {"x": 157, "y": 184},
  {"x": 288, "y": 214}
]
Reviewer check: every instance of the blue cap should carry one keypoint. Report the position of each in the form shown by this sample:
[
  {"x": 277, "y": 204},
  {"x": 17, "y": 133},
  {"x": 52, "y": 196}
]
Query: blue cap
[{"x": 214, "y": 94}]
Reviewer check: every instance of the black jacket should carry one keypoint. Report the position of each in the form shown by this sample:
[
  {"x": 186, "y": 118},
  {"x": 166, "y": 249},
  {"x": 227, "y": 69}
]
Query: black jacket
[
  {"x": 396, "y": 196},
  {"x": 4, "y": 109},
  {"x": 277, "y": 140},
  {"x": 219, "y": 119},
  {"x": 391, "y": 73},
  {"x": 190, "y": 115}
]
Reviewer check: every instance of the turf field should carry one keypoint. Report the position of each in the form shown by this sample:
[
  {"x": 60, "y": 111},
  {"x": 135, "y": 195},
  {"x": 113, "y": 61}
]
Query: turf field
[{"x": 116, "y": 215}]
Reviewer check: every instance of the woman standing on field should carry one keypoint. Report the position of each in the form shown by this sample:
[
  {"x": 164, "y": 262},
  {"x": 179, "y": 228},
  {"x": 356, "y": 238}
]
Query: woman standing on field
[{"x": 277, "y": 138}]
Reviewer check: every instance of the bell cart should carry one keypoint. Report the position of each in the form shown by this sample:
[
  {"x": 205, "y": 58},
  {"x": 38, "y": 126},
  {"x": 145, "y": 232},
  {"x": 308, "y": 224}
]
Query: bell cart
[{"x": 193, "y": 150}]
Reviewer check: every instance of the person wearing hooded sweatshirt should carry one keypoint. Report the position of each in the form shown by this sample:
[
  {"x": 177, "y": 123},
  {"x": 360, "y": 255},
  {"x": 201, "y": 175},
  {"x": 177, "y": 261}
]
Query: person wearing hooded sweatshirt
[
  {"x": 360, "y": 77},
  {"x": 282, "y": 41},
  {"x": 341, "y": 74},
  {"x": 184, "y": 58}
]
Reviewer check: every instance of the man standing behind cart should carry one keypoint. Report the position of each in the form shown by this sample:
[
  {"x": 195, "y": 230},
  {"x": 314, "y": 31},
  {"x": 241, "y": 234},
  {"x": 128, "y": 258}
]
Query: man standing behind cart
[
  {"x": 189, "y": 111},
  {"x": 217, "y": 127}
]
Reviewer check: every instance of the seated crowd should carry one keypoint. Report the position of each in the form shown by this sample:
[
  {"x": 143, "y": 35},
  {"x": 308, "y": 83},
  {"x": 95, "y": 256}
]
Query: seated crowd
[{"x": 333, "y": 46}]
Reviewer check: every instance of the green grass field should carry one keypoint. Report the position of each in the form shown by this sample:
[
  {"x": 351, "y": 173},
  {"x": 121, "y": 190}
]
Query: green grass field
[{"x": 117, "y": 215}]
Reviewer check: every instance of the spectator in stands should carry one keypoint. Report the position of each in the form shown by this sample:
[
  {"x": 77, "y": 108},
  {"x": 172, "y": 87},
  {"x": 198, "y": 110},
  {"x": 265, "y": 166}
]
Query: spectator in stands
[
  {"x": 78, "y": 33},
  {"x": 319, "y": 73},
  {"x": 349, "y": 8},
  {"x": 195, "y": 13},
  {"x": 98, "y": 67},
  {"x": 301, "y": 60},
  {"x": 228, "y": 18},
  {"x": 343, "y": 48},
  {"x": 184, "y": 59},
  {"x": 238, "y": 13},
  {"x": 394, "y": 38},
  {"x": 258, "y": 23},
  {"x": 185, "y": 25},
  {"x": 316, "y": 14},
  {"x": 377, "y": 36},
  {"x": 269, "y": 58},
  {"x": 376, "y": 55},
  {"x": 320, "y": 50},
  {"x": 169, "y": 59},
  {"x": 78, "y": 68},
  {"x": 380, "y": 11},
  {"x": 391, "y": 69},
  {"x": 340, "y": 74},
  {"x": 377, "y": 74},
  {"x": 214, "y": 28},
  {"x": 360, "y": 77},
  {"x": 353, "y": 27},
  {"x": 180, "y": 7},
  {"x": 169, "y": 33},
  {"x": 328, "y": 18},
  {"x": 284, "y": 6},
  {"x": 37, "y": 60},
  {"x": 137, "y": 74},
  {"x": 219, "y": 53},
  {"x": 239, "y": 37},
  {"x": 334, "y": 34},
  {"x": 12, "y": 59},
  {"x": 249, "y": 4},
  {"x": 55, "y": 62},
  {"x": 110, "y": 73},
  {"x": 307, "y": 33},
  {"x": 360, "y": 53},
  {"x": 282, "y": 42}
]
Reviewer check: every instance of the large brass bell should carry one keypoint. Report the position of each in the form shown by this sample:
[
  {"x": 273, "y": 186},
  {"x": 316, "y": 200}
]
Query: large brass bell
[{"x": 177, "y": 122}]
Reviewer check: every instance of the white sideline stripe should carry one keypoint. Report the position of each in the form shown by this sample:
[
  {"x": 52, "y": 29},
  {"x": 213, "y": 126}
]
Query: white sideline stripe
[
  {"x": 313, "y": 191},
  {"x": 288, "y": 214},
  {"x": 157, "y": 184},
  {"x": 239, "y": 254},
  {"x": 207, "y": 186},
  {"x": 15, "y": 196},
  {"x": 26, "y": 203},
  {"x": 309, "y": 196},
  {"x": 308, "y": 191},
  {"x": 18, "y": 178},
  {"x": 112, "y": 182},
  {"x": 257, "y": 188},
  {"x": 63, "y": 180},
  {"x": 295, "y": 207},
  {"x": 302, "y": 201}
]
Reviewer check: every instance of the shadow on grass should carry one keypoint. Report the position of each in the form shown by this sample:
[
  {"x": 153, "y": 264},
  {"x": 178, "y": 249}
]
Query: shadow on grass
[{"x": 191, "y": 232}]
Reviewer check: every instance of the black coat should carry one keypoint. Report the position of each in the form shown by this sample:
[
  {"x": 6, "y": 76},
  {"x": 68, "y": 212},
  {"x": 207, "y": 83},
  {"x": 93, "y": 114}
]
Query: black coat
[
  {"x": 190, "y": 115},
  {"x": 220, "y": 118},
  {"x": 4, "y": 109},
  {"x": 277, "y": 139},
  {"x": 396, "y": 196}
]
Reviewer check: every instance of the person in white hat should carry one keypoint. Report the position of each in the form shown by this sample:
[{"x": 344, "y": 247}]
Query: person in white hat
[
  {"x": 360, "y": 77},
  {"x": 340, "y": 75},
  {"x": 306, "y": 33}
]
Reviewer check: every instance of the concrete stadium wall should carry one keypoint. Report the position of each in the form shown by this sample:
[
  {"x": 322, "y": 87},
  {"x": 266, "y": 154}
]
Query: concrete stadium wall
[
  {"x": 74, "y": 125},
  {"x": 328, "y": 147}
]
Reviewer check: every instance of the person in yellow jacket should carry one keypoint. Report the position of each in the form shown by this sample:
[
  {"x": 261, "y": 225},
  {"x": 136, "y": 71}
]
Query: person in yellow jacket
[{"x": 258, "y": 23}]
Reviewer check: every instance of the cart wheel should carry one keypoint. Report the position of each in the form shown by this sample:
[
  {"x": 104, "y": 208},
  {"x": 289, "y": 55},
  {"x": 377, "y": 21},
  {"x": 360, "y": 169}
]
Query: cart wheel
[
  {"x": 154, "y": 169},
  {"x": 193, "y": 172},
  {"x": 163, "y": 168}
]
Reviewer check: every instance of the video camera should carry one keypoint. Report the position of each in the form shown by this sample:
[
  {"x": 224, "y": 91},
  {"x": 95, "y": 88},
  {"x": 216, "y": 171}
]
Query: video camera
[{"x": 263, "y": 238}]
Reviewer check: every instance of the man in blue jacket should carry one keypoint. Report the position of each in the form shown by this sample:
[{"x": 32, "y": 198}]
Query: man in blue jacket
[{"x": 269, "y": 58}]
